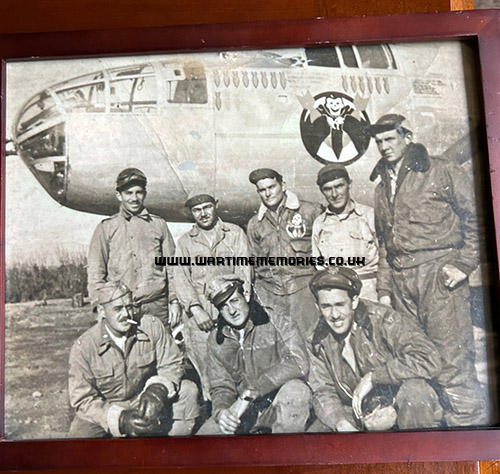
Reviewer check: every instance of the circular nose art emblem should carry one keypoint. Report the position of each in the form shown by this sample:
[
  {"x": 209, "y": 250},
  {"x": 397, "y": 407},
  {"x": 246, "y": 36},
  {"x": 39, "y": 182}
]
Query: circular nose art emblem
[{"x": 334, "y": 127}]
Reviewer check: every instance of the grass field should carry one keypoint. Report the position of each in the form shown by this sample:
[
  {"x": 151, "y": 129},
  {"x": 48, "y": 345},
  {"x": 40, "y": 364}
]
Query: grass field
[{"x": 38, "y": 341}]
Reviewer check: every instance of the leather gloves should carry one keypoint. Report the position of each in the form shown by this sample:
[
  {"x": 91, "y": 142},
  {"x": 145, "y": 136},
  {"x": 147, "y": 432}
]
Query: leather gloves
[
  {"x": 131, "y": 424},
  {"x": 152, "y": 402}
]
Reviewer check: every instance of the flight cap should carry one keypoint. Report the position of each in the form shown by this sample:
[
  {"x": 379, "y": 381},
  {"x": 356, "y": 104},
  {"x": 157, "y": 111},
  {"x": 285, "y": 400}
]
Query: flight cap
[
  {"x": 343, "y": 278},
  {"x": 331, "y": 172},
  {"x": 263, "y": 173},
  {"x": 130, "y": 177},
  {"x": 390, "y": 122},
  {"x": 197, "y": 197},
  {"x": 221, "y": 288},
  {"x": 111, "y": 291}
]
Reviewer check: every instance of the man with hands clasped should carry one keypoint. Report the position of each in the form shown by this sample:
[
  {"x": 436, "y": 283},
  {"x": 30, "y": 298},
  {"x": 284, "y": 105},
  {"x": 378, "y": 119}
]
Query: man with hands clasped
[
  {"x": 257, "y": 369},
  {"x": 125, "y": 374},
  {"x": 366, "y": 358}
]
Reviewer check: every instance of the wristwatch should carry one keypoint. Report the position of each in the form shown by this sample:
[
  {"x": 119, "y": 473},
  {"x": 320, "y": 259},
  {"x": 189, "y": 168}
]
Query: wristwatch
[{"x": 245, "y": 396}]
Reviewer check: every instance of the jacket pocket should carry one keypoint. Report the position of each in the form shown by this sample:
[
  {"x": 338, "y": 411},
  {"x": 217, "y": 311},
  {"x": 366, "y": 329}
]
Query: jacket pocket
[
  {"x": 105, "y": 379},
  {"x": 302, "y": 247}
]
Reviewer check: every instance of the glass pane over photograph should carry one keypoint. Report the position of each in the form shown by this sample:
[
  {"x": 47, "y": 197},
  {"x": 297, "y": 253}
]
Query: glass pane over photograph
[{"x": 271, "y": 241}]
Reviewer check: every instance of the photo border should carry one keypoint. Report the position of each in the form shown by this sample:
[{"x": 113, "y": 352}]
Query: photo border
[{"x": 482, "y": 26}]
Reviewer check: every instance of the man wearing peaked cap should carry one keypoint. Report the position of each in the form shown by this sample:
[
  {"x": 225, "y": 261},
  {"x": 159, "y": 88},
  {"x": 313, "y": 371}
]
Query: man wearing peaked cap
[
  {"x": 125, "y": 245},
  {"x": 257, "y": 369},
  {"x": 361, "y": 349},
  {"x": 154, "y": 400},
  {"x": 427, "y": 228},
  {"x": 347, "y": 228},
  {"x": 282, "y": 228},
  {"x": 210, "y": 237},
  {"x": 129, "y": 177}
]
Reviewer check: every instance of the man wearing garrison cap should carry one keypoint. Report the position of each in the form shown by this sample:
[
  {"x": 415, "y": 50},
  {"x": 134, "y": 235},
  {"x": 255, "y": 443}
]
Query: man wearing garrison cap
[
  {"x": 282, "y": 228},
  {"x": 370, "y": 367},
  {"x": 124, "y": 247},
  {"x": 125, "y": 374},
  {"x": 257, "y": 369},
  {"x": 209, "y": 237},
  {"x": 347, "y": 228},
  {"x": 427, "y": 228}
]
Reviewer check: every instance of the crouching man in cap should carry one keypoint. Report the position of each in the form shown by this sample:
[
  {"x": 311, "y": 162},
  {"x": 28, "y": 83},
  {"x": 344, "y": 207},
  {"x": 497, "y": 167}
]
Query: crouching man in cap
[
  {"x": 347, "y": 228},
  {"x": 370, "y": 368},
  {"x": 427, "y": 227},
  {"x": 124, "y": 248},
  {"x": 282, "y": 228},
  {"x": 209, "y": 237},
  {"x": 256, "y": 370},
  {"x": 125, "y": 375}
]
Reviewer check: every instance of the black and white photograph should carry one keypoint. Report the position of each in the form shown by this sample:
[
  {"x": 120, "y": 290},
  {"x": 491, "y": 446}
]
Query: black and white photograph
[{"x": 248, "y": 242}]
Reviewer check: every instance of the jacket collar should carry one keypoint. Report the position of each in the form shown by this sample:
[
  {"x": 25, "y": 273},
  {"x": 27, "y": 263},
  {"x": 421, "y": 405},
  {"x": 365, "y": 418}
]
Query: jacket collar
[
  {"x": 291, "y": 202},
  {"x": 416, "y": 159},
  {"x": 105, "y": 341},
  {"x": 352, "y": 206},
  {"x": 144, "y": 214}
]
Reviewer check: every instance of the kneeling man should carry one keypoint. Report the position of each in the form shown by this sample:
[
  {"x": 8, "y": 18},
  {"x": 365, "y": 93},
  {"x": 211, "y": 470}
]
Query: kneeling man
[
  {"x": 125, "y": 375},
  {"x": 361, "y": 349},
  {"x": 256, "y": 369}
]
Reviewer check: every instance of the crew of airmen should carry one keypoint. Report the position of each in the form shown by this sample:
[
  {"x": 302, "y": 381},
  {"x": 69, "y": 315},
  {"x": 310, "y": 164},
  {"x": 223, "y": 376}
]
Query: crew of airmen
[{"x": 385, "y": 345}]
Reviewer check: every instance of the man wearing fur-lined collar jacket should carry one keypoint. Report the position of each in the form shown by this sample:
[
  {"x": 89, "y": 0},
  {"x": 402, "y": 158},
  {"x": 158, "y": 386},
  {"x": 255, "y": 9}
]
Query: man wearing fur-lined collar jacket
[
  {"x": 426, "y": 224},
  {"x": 282, "y": 228}
]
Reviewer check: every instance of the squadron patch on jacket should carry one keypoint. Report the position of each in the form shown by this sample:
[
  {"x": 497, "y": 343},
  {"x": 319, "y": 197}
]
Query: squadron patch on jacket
[{"x": 296, "y": 227}]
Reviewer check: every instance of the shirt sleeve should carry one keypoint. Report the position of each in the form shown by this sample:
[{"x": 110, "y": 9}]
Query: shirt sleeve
[
  {"x": 327, "y": 404},
  {"x": 293, "y": 362},
  {"x": 169, "y": 358},
  {"x": 384, "y": 287},
  {"x": 186, "y": 292},
  {"x": 83, "y": 395},
  {"x": 168, "y": 250},
  {"x": 413, "y": 353},
  {"x": 242, "y": 249},
  {"x": 462, "y": 198},
  {"x": 98, "y": 258},
  {"x": 222, "y": 387}
]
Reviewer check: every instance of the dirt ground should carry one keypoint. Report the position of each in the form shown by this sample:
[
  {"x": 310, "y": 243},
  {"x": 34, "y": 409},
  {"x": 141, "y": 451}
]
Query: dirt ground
[{"x": 38, "y": 341}]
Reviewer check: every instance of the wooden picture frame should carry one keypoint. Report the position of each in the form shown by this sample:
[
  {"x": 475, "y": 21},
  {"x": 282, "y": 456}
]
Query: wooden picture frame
[{"x": 480, "y": 28}]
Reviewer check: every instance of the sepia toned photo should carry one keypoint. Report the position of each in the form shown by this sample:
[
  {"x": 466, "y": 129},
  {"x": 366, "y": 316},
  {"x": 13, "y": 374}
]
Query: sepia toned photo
[{"x": 248, "y": 242}]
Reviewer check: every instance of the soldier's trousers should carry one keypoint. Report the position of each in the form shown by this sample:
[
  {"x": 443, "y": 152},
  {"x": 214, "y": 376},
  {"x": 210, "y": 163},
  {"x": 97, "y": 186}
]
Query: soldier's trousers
[
  {"x": 299, "y": 307},
  {"x": 284, "y": 411},
  {"x": 444, "y": 315},
  {"x": 417, "y": 406},
  {"x": 197, "y": 352}
]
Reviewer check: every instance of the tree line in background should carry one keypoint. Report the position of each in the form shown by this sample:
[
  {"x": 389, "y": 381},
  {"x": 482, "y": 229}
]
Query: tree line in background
[{"x": 34, "y": 281}]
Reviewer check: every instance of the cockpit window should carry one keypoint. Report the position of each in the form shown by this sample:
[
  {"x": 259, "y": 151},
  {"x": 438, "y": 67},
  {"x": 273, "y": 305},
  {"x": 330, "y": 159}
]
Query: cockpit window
[
  {"x": 325, "y": 57},
  {"x": 133, "y": 89},
  {"x": 40, "y": 108},
  {"x": 187, "y": 85},
  {"x": 348, "y": 56},
  {"x": 84, "y": 97},
  {"x": 374, "y": 57}
]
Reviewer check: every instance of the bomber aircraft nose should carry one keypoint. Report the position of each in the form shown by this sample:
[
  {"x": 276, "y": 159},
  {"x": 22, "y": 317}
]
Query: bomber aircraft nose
[{"x": 40, "y": 140}]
